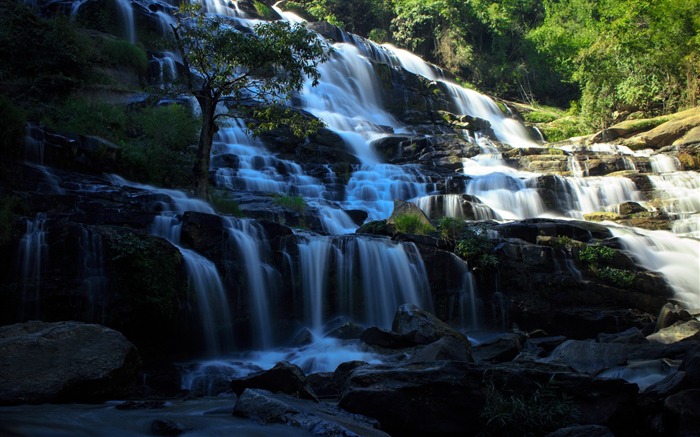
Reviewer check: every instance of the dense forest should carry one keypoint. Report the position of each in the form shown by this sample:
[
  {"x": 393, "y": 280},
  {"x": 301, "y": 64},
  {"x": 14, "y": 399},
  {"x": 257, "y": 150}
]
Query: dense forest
[{"x": 602, "y": 59}]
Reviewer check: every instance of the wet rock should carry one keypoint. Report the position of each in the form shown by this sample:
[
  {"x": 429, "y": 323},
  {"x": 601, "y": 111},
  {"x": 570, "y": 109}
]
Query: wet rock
[
  {"x": 417, "y": 399},
  {"x": 589, "y": 357},
  {"x": 630, "y": 336},
  {"x": 676, "y": 332},
  {"x": 284, "y": 377},
  {"x": 65, "y": 361},
  {"x": 582, "y": 431},
  {"x": 503, "y": 348},
  {"x": 682, "y": 413},
  {"x": 317, "y": 418},
  {"x": 445, "y": 349},
  {"x": 167, "y": 427},
  {"x": 374, "y": 336},
  {"x": 425, "y": 327},
  {"x": 670, "y": 314}
]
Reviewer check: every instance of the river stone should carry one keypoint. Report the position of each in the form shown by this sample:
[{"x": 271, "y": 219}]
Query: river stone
[
  {"x": 582, "y": 431},
  {"x": 284, "y": 377},
  {"x": 64, "y": 361},
  {"x": 682, "y": 413},
  {"x": 676, "y": 332},
  {"x": 318, "y": 418},
  {"x": 426, "y": 328},
  {"x": 588, "y": 356}
]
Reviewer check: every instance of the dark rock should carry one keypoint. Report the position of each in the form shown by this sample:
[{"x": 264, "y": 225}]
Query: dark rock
[
  {"x": 418, "y": 399},
  {"x": 318, "y": 418},
  {"x": 284, "y": 378},
  {"x": 503, "y": 348},
  {"x": 445, "y": 349},
  {"x": 167, "y": 427},
  {"x": 203, "y": 232},
  {"x": 346, "y": 331},
  {"x": 582, "y": 431},
  {"x": 682, "y": 413},
  {"x": 671, "y": 313},
  {"x": 65, "y": 361},
  {"x": 631, "y": 336},
  {"x": 374, "y": 336},
  {"x": 676, "y": 332},
  {"x": 588, "y": 356},
  {"x": 691, "y": 365},
  {"x": 423, "y": 326}
]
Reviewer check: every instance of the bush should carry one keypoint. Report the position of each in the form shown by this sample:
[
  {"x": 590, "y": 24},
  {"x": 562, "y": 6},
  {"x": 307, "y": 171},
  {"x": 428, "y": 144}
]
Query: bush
[
  {"x": 537, "y": 413},
  {"x": 14, "y": 125},
  {"x": 118, "y": 52},
  {"x": 451, "y": 228},
  {"x": 595, "y": 253},
  {"x": 412, "y": 224},
  {"x": 50, "y": 56},
  {"x": 295, "y": 203},
  {"x": 476, "y": 248},
  {"x": 616, "y": 277}
]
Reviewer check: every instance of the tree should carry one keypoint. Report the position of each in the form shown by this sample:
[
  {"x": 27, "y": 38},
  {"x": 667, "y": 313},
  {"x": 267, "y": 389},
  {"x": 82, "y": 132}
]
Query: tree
[{"x": 265, "y": 66}]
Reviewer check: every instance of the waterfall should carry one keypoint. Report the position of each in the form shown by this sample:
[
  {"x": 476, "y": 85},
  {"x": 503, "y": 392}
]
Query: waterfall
[
  {"x": 371, "y": 276},
  {"x": 249, "y": 241},
  {"x": 93, "y": 273},
  {"x": 127, "y": 15},
  {"x": 675, "y": 257},
  {"x": 31, "y": 255}
]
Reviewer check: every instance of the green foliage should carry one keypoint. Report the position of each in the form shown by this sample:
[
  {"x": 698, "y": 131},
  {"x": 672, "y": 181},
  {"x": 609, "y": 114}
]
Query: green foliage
[
  {"x": 117, "y": 52},
  {"x": 564, "y": 128},
  {"x": 295, "y": 203},
  {"x": 225, "y": 205},
  {"x": 149, "y": 276},
  {"x": 48, "y": 56},
  {"x": 9, "y": 205},
  {"x": 88, "y": 117},
  {"x": 541, "y": 411},
  {"x": 616, "y": 277},
  {"x": 451, "y": 229},
  {"x": 268, "y": 66},
  {"x": 592, "y": 254},
  {"x": 262, "y": 9},
  {"x": 14, "y": 123},
  {"x": 412, "y": 224},
  {"x": 156, "y": 142},
  {"x": 689, "y": 160},
  {"x": 477, "y": 248},
  {"x": 562, "y": 242},
  {"x": 376, "y": 227}
]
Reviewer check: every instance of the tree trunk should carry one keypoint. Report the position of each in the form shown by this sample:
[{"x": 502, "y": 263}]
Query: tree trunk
[{"x": 206, "y": 137}]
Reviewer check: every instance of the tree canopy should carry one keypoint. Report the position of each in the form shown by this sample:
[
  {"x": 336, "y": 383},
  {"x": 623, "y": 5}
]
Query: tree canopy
[
  {"x": 266, "y": 66},
  {"x": 607, "y": 56}
]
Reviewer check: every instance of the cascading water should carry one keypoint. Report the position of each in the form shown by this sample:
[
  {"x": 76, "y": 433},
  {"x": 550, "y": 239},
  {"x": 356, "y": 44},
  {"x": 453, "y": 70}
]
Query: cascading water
[
  {"x": 32, "y": 254},
  {"x": 93, "y": 273}
]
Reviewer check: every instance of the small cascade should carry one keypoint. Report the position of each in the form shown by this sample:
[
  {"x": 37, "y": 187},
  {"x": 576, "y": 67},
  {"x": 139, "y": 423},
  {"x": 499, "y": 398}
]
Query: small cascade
[
  {"x": 371, "y": 277},
  {"x": 286, "y": 15},
  {"x": 581, "y": 196},
  {"x": 31, "y": 255},
  {"x": 575, "y": 167},
  {"x": 249, "y": 241},
  {"x": 509, "y": 196},
  {"x": 662, "y": 163},
  {"x": 374, "y": 188},
  {"x": 259, "y": 170},
  {"x": 677, "y": 258},
  {"x": 469, "y": 102},
  {"x": 93, "y": 273},
  {"x": 678, "y": 194},
  {"x": 453, "y": 205},
  {"x": 466, "y": 310},
  {"x": 127, "y": 16},
  {"x": 166, "y": 68},
  {"x": 214, "y": 310}
]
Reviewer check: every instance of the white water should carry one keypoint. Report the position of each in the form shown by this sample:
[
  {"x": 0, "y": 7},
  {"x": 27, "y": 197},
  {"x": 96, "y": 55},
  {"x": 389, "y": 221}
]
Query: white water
[
  {"x": 31, "y": 256},
  {"x": 93, "y": 273}
]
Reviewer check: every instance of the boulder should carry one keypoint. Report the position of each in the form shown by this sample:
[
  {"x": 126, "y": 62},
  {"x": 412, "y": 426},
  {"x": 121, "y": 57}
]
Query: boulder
[
  {"x": 422, "y": 398},
  {"x": 503, "y": 348},
  {"x": 588, "y": 356},
  {"x": 446, "y": 349},
  {"x": 676, "y": 332},
  {"x": 582, "y": 431},
  {"x": 64, "y": 361},
  {"x": 284, "y": 377},
  {"x": 425, "y": 327},
  {"x": 318, "y": 418},
  {"x": 682, "y": 413}
]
